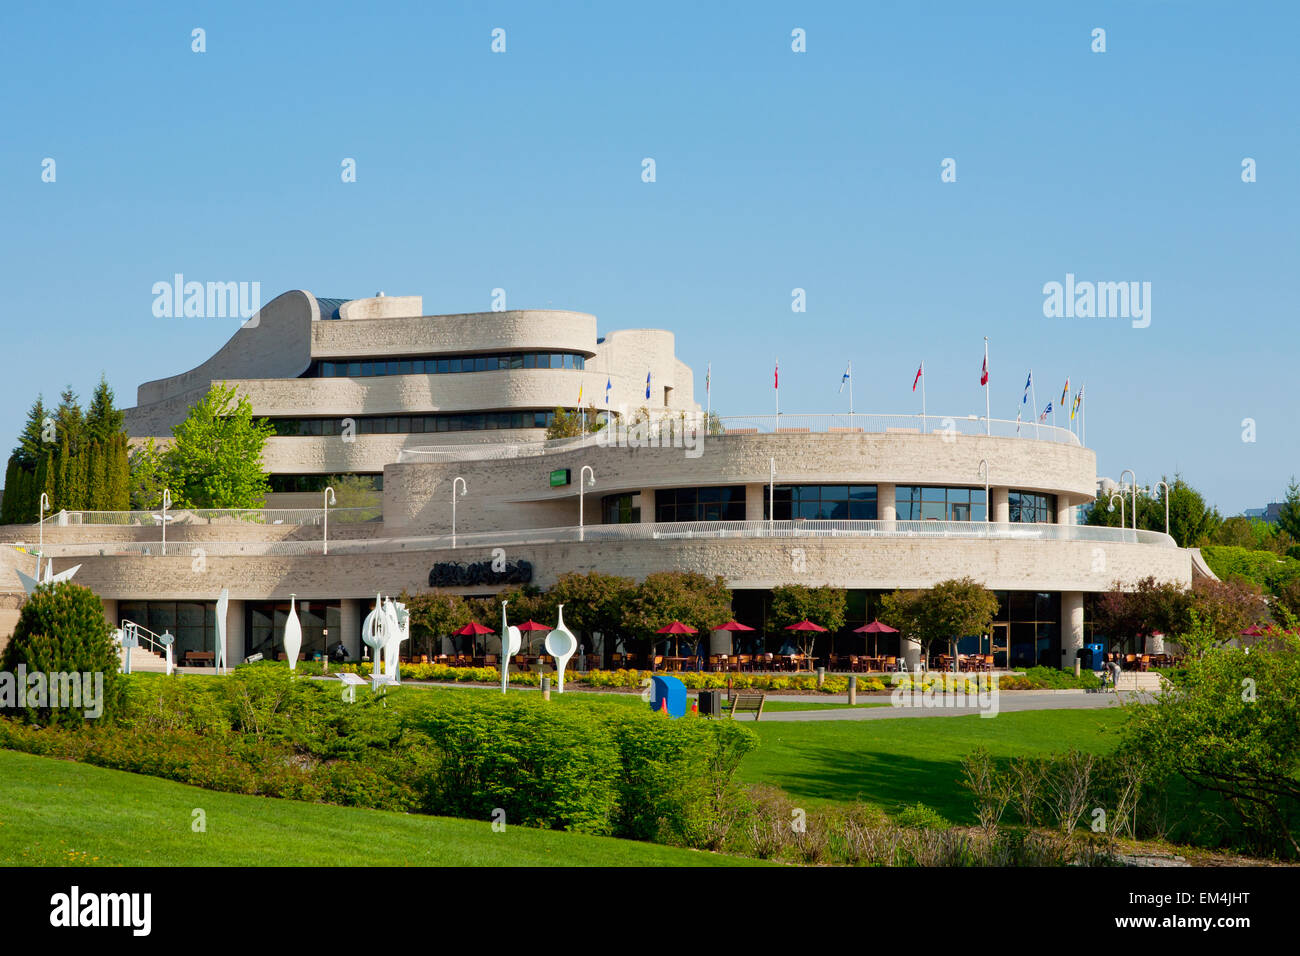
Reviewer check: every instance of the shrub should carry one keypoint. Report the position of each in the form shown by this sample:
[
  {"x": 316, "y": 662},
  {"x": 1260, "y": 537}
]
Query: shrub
[
  {"x": 919, "y": 816},
  {"x": 62, "y": 629}
]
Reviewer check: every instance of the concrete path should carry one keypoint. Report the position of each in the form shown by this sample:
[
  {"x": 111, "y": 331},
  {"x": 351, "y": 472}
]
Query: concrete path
[{"x": 1007, "y": 702}]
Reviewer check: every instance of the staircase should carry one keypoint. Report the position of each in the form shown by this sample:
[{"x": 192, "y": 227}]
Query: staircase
[
  {"x": 143, "y": 659},
  {"x": 1147, "y": 681}
]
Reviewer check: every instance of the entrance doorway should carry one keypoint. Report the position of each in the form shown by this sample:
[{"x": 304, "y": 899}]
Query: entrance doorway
[{"x": 1000, "y": 645}]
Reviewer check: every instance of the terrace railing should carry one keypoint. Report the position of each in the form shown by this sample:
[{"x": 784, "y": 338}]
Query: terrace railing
[
  {"x": 668, "y": 429},
  {"x": 213, "y": 516},
  {"x": 655, "y": 531}
]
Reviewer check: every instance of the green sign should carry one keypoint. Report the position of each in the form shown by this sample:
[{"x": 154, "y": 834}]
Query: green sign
[{"x": 559, "y": 477}]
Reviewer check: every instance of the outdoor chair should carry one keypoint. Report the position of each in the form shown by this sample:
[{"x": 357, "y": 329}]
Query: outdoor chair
[
  {"x": 1144, "y": 662},
  {"x": 1130, "y": 662}
]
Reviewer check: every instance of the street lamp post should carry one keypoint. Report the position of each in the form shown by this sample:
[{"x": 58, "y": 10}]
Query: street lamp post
[
  {"x": 325, "y": 538},
  {"x": 166, "y": 503},
  {"x": 1133, "y": 491},
  {"x": 1166, "y": 487},
  {"x": 464, "y": 490},
  {"x": 40, "y": 548},
  {"x": 1121, "y": 509},
  {"x": 581, "y": 486},
  {"x": 984, "y": 473}
]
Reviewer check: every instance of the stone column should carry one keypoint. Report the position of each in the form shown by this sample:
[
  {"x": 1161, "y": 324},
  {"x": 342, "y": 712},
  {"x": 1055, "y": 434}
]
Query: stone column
[
  {"x": 1065, "y": 509},
  {"x": 1071, "y": 626},
  {"x": 235, "y": 638},
  {"x": 110, "y": 612},
  {"x": 1001, "y": 512},
  {"x": 350, "y": 626},
  {"x": 755, "y": 498},
  {"x": 886, "y": 503},
  {"x": 647, "y": 505}
]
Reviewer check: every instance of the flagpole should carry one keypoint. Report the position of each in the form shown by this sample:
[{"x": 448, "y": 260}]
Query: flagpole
[
  {"x": 850, "y": 392},
  {"x": 922, "y": 396},
  {"x": 708, "y": 396},
  {"x": 776, "y": 387},
  {"x": 1033, "y": 397},
  {"x": 988, "y": 423}
]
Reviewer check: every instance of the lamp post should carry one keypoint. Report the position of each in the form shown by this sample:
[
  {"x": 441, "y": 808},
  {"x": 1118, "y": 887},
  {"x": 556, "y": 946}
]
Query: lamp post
[
  {"x": 1121, "y": 509},
  {"x": 984, "y": 473},
  {"x": 464, "y": 490},
  {"x": 163, "y": 518},
  {"x": 329, "y": 499},
  {"x": 40, "y": 548},
  {"x": 771, "y": 494},
  {"x": 1166, "y": 487},
  {"x": 581, "y": 487},
  {"x": 1134, "y": 492}
]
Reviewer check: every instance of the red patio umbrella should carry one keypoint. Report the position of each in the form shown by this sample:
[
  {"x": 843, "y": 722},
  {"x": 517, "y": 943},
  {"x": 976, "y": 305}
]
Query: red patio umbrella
[
  {"x": 675, "y": 628},
  {"x": 804, "y": 625},
  {"x": 531, "y": 625},
  {"x": 472, "y": 630},
  {"x": 733, "y": 626},
  {"x": 874, "y": 628}
]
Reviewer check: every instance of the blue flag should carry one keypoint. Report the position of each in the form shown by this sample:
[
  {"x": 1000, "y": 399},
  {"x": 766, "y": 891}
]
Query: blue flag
[
  {"x": 608, "y": 385},
  {"x": 647, "y": 385}
]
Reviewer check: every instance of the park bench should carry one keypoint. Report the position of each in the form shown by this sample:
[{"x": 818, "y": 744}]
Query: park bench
[
  {"x": 200, "y": 658},
  {"x": 748, "y": 702}
]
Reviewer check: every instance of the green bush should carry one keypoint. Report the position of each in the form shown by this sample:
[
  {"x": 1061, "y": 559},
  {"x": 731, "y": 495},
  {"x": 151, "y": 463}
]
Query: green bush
[
  {"x": 919, "y": 816},
  {"x": 1264, "y": 568},
  {"x": 62, "y": 629}
]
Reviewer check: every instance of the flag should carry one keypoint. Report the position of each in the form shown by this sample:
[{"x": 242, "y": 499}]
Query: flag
[
  {"x": 1017, "y": 421},
  {"x": 921, "y": 368},
  {"x": 776, "y": 375},
  {"x": 984, "y": 371},
  {"x": 647, "y": 385},
  {"x": 848, "y": 372},
  {"x": 1029, "y": 382},
  {"x": 1078, "y": 399},
  {"x": 579, "y": 394},
  {"x": 708, "y": 373},
  {"x": 1046, "y": 411},
  {"x": 609, "y": 383},
  {"x": 1065, "y": 392}
]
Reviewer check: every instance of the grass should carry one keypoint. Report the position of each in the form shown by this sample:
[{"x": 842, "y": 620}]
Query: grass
[
  {"x": 60, "y": 813},
  {"x": 775, "y": 706},
  {"x": 896, "y": 763}
]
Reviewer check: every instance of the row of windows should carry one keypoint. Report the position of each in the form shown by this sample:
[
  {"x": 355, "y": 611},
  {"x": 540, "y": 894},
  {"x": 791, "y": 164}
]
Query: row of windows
[
  {"x": 432, "y": 365},
  {"x": 410, "y": 424},
  {"x": 821, "y": 502},
  {"x": 1032, "y": 508},
  {"x": 932, "y": 503},
  {"x": 700, "y": 504},
  {"x": 621, "y": 509}
]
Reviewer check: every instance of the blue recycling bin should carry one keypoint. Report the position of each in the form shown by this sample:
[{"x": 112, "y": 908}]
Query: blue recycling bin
[
  {"x": 672, "y": 691},
  {"x": 1092, "y": 657}
]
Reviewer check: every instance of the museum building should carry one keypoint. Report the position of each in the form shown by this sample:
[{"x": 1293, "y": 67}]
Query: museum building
[{"x": 445, "y": 418}]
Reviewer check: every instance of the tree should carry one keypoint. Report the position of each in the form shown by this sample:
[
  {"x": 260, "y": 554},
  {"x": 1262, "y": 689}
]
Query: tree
[
  {"x": 62, "y": 630},
  {"x": 1288, "y": 516},
  {"x": 1218, "y": 611},
  {"x": 952, "y": 609},
  {"x": 103, "y": 418},
  {"x": 792, "y": 603},
  {"x": 148, "y": 477},
  {"x": 216, "y": 458},
  {"x": 593, "y": 603},
  {"x": 695, "y": 599},
  {"x": 435, "y": 616},
  {"x": 1149, "y": 608},
  {"x": 1223, "y": 736}
]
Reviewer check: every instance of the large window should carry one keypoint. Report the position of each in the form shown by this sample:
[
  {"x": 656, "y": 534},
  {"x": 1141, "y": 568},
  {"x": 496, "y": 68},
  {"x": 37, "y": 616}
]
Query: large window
[
  {"x": 1029, "y": 507},
  {"x": 929, "y": 503},
  {"x": 621, "y": 509},
  {"x": 821, "y": 502},
  {"x": 434, "y": 365},
  {"x": 264, "y": 627},
  {"x": 411, "y": 424},
  {"x": 192, "y": 623},
  {"x": 700, "y": 504},
  {"x": 285, "y": 483}
]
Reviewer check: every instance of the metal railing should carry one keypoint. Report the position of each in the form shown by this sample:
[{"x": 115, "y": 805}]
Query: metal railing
[
  {"x": 669, "y": 428},
  {"x": 214, "y": 516},
  {"x": 145, "y": 636},
  {"x": 652, "y": 531}
]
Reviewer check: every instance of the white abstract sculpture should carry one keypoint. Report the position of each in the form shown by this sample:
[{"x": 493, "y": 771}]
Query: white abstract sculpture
[
  {"x": 395, "y": 631},
  {"x": 560, "y": 644},
  {"x": 292, "y": 635},
  {"x": 167, "y": 640},
  {"x": 511, "y": 639},
  {"x": 372, "y": 633},
  {"x": 223, "y": 603},
  {"x": 30, "y": 584}
]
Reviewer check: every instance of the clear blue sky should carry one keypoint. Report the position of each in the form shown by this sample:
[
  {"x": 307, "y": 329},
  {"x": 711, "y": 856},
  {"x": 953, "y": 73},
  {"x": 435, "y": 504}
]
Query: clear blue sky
[{"x": 775, "y": 170}]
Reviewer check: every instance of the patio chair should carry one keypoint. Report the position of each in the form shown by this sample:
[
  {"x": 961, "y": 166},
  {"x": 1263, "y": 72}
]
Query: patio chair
[{"x": 1144, "y": 662}]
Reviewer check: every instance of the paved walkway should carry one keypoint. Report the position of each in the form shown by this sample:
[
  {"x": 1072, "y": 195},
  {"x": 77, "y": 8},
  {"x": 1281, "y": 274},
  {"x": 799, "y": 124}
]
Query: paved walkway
[{"x": 1007, "y": 702}]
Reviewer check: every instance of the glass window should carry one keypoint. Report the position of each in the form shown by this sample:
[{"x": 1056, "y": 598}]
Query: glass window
[
  {"x": 1024, "y": 506},
  {"x": 530, "y": 360},
  {"x": 327, "y": 369},
  {"x": 454, "y": 365},
  {"x": 444, "y": 366},
  {"x": 354, "y": 369},
  {"x": 404, "y": 367},
  {"x": 579, "y": 362},
  {"x": 480, "y": 364}
]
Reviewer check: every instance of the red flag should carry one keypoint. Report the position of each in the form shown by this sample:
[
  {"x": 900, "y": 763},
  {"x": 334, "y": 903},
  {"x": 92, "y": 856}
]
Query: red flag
[
  {"x": 918, "y": 376},
  {"x": 984, "y": 371},
  {"x": 776, "y": 375}
]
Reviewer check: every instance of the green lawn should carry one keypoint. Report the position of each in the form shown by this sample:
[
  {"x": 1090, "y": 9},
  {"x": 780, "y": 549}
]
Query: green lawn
[
  {"x": 775, "y": 706},
  {"x": 59, "y": 813},
  {"x": 899, "y": 762}
]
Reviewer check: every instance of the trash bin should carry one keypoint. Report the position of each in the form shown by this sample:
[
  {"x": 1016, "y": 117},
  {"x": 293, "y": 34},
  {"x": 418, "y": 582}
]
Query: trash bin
[
  {"x": 710, "y": 703},
  {"x": 1092, "y": 657}
]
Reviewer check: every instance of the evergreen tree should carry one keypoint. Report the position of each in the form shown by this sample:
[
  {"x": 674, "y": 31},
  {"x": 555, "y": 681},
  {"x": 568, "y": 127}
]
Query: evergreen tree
[
  {"x": 69, "y": 420},
  {"x": 30, "y": 441},
  {"x": 103, "y": 419}
]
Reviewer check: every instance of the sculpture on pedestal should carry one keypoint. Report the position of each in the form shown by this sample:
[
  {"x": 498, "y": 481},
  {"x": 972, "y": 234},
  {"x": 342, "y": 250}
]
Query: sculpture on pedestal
[
  {"x": 510, "y": 642},
  {"x": 223, "y": 603},
  {"x": 292, "y": 635},
  {"x": 561, "y": 644}
]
